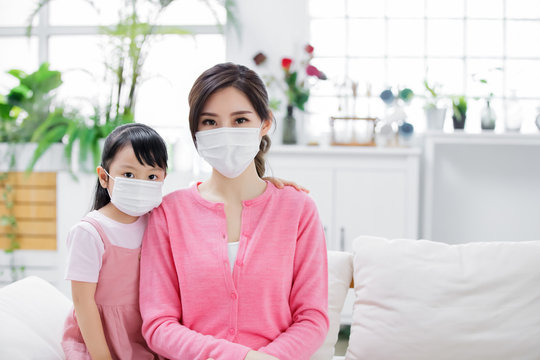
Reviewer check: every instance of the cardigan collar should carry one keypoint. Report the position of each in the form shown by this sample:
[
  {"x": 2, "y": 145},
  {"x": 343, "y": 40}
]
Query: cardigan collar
[{"x": 270, "y": 189}]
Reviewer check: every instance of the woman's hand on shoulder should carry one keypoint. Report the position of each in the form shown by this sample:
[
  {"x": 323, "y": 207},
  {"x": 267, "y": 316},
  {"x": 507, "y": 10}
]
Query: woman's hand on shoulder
[
  {"x": 257, "y": 355},
  {"x": 280, "y": 183}
]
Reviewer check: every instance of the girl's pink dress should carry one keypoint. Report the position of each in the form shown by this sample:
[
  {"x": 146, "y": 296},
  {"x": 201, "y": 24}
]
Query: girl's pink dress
[{"x": 117, "y": 299}]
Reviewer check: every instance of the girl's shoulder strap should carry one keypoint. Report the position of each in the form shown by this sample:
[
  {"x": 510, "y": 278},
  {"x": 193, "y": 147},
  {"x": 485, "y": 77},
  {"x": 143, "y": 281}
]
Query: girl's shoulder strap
[{"x": 98, "y": 228}]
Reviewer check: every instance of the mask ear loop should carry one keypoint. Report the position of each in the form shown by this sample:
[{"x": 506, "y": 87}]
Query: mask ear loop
[{"x": 110, "y": 177}]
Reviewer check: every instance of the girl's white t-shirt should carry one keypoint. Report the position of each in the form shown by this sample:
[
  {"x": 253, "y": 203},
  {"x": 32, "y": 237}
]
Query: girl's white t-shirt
[{"x": 85, "y": 248}]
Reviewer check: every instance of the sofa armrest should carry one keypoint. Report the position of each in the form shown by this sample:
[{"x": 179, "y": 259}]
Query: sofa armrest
[{"x": 32, "y": 314}]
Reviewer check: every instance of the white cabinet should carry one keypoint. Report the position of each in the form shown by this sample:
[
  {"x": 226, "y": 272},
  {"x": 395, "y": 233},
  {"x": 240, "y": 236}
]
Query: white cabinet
[
  {"x": 358, "y": 191},
  {"x": 481, "y": 187}
]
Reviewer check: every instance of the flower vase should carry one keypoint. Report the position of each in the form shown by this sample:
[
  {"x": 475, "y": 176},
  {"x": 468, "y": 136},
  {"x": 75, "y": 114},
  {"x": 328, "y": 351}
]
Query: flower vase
[
  {"x": 289, "y": 127},
  {"x": 459, "y": 123},
  {"x": 488, "y": 117}
]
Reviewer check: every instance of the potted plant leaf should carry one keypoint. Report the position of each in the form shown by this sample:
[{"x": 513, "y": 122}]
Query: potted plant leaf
[
  {"x": 435, "y": 114},
  {"x": 23, "y": 110},
  {"x": 459, "y": 107},
  {"x": 130, "y": 40}
]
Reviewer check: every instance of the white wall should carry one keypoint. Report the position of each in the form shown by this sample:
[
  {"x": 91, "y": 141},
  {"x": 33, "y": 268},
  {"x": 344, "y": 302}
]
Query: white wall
[{"x": 278, "y": 28}]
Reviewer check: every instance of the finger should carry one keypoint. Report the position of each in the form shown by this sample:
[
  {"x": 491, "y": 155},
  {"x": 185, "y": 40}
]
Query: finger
[{"x": 301, "y": 188}]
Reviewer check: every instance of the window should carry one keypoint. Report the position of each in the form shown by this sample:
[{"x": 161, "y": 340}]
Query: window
[
  {"x": 394, "y": 43},
  {"x": 66, "y": 33}
]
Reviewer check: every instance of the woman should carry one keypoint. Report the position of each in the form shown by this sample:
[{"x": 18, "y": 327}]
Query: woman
[{"x": 232, "y": 268}]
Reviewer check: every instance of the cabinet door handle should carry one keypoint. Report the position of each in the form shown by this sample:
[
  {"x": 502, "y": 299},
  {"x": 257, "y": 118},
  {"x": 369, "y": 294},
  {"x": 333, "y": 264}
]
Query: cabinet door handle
[{"x": 342, "y": 238}]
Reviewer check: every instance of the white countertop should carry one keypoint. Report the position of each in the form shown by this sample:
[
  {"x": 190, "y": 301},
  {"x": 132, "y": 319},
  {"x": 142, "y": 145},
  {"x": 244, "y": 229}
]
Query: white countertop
[{"x": 344, "y": 150}]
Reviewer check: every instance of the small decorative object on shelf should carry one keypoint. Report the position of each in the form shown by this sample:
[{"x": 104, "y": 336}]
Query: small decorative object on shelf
[
  {"x": 537, "y": 122},
  {"x": 298, "y": 77},
  {"x": 459, "y": 105},
  {"x": 514, "y": 116},
  {"x": 488, "y": 117},
  {"x": 386, "y": 131},
  {"x": 405, "y": 133},
  {"x": 434, "y": 113},
  {"x": 289, "y": 127},
  {"x": 352, "y": 131}
]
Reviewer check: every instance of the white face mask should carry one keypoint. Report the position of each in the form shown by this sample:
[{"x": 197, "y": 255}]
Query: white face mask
[
  {"x": 135, "y": 197},
  {"x": 229, "y": 150}
]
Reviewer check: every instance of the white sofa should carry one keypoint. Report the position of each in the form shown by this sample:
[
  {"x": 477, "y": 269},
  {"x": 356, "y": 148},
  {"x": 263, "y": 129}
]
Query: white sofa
[{"x": 414, "y": 300}]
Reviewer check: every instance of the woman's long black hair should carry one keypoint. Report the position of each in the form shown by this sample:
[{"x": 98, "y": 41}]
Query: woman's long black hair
[{"x": 148, "y": 146}]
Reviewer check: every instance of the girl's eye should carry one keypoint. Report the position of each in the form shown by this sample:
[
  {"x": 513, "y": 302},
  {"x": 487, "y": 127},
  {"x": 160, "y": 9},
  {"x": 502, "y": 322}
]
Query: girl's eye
[
  {"x": 153, "y": 177},
  {"x": 129, "y": 175},
  {"x": 241, "y": 120},
  {"x": 208, "y": 122}
]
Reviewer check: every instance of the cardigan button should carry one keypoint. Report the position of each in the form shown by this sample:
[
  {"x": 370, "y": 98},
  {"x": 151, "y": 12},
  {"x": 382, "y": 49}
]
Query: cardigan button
[
  {"x": 231, "y": 331},
  {"x": 234, "y": 296}
]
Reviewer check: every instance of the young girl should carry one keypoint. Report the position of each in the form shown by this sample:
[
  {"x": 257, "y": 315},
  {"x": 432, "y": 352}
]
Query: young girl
[
  {"x": 233, "y": 268},
  {"x": 104, "y": 248}
]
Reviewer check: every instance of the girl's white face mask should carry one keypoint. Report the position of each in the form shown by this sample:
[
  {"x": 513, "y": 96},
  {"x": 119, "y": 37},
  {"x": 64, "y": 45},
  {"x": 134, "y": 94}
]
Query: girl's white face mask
[
  {"x": 135, "y": 197},
  {"x": 229, "y": 150}
]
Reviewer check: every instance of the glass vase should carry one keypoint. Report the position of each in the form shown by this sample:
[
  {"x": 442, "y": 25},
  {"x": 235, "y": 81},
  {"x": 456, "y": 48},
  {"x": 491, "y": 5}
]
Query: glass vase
[
  {"x": 488, "y": 117},
  {"x": 289, "y": 127}
]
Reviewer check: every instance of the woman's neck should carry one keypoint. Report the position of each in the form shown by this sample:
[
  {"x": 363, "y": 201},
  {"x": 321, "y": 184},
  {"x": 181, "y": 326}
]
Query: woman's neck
[{"x": 219, "y": 188}]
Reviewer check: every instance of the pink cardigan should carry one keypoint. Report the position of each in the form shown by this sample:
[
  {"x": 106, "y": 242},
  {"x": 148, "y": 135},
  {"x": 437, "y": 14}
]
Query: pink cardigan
[{"x": 274, "y": 301}]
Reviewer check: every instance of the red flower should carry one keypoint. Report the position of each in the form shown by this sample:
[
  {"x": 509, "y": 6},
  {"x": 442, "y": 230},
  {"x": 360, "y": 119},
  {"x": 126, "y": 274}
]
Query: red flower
[
  {"x": 312, "y": 71},
  {"x": 259, "y": 58},
  {"x": 309, "y": 49},
  {"x": 286, "y": 63}
]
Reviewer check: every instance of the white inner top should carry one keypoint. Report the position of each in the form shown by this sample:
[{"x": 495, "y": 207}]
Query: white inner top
[{"x": 232, "y": 250}]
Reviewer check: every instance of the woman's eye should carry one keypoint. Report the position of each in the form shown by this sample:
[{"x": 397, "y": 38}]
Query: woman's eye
[
  {"x": 129, "y": 175},
  {"x": 241, "y": 120},
  {"x": 208, "y": 122},
  {"x": 153, "y": 177}
]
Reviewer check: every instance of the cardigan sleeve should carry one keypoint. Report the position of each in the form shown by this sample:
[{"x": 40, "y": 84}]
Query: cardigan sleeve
[
  {"x": 160, "y": 303},
  {"x": 309, "y": 293}
]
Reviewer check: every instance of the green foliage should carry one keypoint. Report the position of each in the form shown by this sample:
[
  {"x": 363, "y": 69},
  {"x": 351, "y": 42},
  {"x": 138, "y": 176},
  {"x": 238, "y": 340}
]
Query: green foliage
[
  {"x": 297, "y": 94},
  {"x": 459, "y": 105},
  {"x": 406, "y": 94},
  {"x": 8, "y": 219},
  {"x": 432, "y": 95},
  {"x": 28, "y": 104}
]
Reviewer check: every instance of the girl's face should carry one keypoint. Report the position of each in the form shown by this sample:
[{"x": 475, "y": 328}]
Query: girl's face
[
  {"x": 125, "y": 164},
  {"x": 229, "y": 107}
]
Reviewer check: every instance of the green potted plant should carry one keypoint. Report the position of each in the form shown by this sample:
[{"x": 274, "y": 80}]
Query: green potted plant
[
  {"x": 459, "y": 107},
  {"x": 297, "y": 78},
  {"x": 435, "y": 114},
  {"x": 130, "y": 39},
  {"x": 23, "y": 111}
]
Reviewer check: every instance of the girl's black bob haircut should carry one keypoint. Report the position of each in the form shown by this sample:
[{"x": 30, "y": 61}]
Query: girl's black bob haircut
[{"x": 147, "y": 144}]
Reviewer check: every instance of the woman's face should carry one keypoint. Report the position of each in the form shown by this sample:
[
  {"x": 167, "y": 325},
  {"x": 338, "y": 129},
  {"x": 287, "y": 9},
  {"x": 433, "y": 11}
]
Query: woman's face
[{"x": 229, "y": 107}]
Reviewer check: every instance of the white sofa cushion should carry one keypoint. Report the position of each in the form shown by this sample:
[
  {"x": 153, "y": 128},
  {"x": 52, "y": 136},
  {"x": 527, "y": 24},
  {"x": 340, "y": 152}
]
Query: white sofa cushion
[
  {"x": 339, "y": 280},
  {"x": 424, "y": 300},
  {"x": 32, "y": 314}
]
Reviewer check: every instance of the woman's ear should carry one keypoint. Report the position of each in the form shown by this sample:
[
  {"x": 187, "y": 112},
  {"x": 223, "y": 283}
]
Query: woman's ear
[
  {"x": 267, "y": 124},
  {"x": 102, "y": 177}
]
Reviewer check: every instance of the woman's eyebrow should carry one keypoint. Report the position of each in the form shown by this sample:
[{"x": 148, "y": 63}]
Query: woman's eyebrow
[
  {"x": 208, "y": 114},
  {"x": 239, "y": 112}
]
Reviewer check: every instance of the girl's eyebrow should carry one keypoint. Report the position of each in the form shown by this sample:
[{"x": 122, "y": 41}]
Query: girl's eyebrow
[{"x": 126, "y": 166}]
